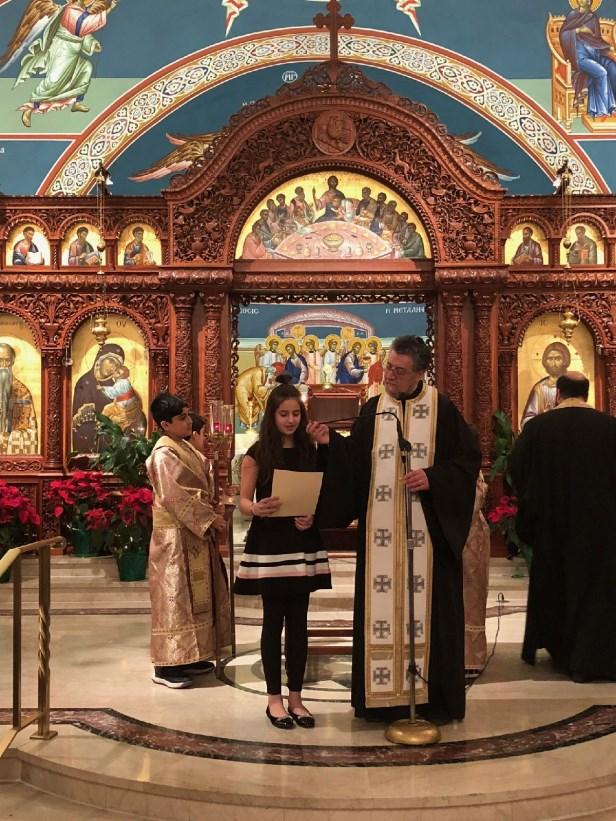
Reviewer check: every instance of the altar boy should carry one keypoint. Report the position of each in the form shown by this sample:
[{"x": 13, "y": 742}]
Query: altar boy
[{"x": 190, "y": 600}]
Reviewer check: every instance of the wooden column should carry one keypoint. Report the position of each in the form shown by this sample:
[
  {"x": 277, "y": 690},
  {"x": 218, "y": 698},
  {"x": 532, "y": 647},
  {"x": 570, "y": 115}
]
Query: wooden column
[
  {"x": 159, "y": 370},
  {"x": 453, "y": 376},
  {"x": 610, "y": 378},
  {"x": 183, "y": 374},
  {"x": 483, "y": 303},
  {"x": 52, "y": 411},
  {"x": 505, "y": 384},
  {"x": 213, "y": 305}
]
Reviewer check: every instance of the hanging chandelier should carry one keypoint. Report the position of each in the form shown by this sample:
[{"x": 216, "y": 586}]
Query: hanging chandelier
[
  {"x": 98, "y": 323},
  {"x": 570, "y": 316}
]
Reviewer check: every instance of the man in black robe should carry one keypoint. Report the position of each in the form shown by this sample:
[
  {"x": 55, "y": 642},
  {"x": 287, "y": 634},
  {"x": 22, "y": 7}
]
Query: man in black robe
[
  {"x": 564, "y": 468},
  {"x": 446, "y": 490}
]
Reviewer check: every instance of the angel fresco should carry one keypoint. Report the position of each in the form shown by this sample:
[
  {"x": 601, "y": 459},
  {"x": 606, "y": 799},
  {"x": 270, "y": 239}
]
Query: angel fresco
[
  {"x": 57, "y": 41},
  {"x": 189, "y": 148}
]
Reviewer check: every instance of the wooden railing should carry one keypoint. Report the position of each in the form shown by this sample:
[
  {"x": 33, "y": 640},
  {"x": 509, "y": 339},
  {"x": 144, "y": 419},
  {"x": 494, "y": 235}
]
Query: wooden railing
[{"x": 12, "y": 559}]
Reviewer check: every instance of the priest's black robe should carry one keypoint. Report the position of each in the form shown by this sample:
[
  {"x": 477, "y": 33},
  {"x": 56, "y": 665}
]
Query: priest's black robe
[
  {"x": 448, "y": 508},
  {"x": 563, "y": 466}
]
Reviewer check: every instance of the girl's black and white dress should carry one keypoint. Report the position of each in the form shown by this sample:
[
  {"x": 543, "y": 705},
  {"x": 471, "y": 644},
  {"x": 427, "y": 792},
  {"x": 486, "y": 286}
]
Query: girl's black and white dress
[{"x": 279, "y": 559}]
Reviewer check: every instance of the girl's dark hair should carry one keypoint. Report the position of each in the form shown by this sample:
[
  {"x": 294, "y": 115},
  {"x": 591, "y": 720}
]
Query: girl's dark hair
[{"x": 269, "y": 449}]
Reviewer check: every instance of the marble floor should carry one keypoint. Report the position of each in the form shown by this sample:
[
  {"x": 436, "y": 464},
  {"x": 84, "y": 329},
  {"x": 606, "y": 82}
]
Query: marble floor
[{"x": 534, "y": 745}]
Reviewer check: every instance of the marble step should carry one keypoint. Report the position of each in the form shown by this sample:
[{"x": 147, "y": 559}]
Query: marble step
[
  {"x": 83, "y": 584},
  {"x": 21, "y": 802}
]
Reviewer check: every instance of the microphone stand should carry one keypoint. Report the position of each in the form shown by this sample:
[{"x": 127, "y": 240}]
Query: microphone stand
[{"x": 411, "y": 731}]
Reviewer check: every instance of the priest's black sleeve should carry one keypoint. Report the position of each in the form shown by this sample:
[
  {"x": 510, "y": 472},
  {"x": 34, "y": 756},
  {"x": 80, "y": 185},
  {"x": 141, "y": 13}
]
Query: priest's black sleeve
[
  {"x": 347, "y": 477},
  {"x": 449, "y": 503}
]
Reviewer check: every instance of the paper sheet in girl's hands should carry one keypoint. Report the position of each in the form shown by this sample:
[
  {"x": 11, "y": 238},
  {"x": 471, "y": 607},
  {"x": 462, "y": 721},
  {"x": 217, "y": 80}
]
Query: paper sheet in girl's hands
[{"x": 297, "y": 490}]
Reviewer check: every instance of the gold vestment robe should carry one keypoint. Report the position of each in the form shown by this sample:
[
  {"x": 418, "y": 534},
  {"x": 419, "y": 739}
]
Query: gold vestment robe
[
  {"x": 191, "y": 618},
  {"x": 476, "y": 569}
]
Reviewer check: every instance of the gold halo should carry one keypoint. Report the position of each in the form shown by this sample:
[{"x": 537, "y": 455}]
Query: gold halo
[
  {"x": 315, "y": 339},
  {"x": 362, "y": 344},
  {"x": 593, "y": 6},
  {"x": 379, "y": 343},
  {"x": 331, "y": 336},
  {"x": 273, "y": 338},
  {"x": 292, "y": 342}
]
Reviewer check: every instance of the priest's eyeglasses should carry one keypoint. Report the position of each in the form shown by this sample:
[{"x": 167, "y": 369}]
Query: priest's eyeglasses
[{"x": 397, "y": 371}]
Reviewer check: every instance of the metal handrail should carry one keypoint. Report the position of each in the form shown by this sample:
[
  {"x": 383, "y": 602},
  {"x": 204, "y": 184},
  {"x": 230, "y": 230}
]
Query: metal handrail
[{"x": 12, "y": 558}]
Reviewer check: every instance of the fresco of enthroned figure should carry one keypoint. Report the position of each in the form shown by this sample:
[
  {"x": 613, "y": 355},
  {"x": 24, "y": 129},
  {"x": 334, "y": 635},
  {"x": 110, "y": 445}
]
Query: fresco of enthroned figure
[{"x": 348, "y": 217}]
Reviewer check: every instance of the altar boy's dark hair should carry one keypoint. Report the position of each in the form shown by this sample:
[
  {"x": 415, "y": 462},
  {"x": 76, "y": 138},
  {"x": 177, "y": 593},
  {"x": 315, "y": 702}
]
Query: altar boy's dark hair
[
  {"x": 197, "y": 422},
  {"x": 165, "y": 406},
  {"x": 268, "y": 454}
]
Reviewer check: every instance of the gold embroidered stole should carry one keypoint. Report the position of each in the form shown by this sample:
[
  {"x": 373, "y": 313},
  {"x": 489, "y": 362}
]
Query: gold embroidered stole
[
  {"x": 198, "y": 570},
  {"x": 386, "y": 627}
]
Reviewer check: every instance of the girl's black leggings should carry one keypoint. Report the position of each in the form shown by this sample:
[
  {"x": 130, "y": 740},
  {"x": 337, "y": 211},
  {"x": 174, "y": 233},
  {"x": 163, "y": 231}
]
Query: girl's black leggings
[{"x": 292, "y": 611}]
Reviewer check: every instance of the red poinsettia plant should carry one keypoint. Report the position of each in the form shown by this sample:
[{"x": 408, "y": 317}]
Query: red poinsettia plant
[
  {"x": 502, "y": 518},
  {"x": 82, "y": 504},
  {"x": 134, "y": 526},
  {"x": 18, "y": 517}
]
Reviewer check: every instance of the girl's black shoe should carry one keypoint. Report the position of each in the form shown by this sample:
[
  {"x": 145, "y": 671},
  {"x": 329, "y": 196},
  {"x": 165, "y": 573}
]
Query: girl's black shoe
[
  {"x": 307, "y": 722},
  {"x": 280, "y": 722}
]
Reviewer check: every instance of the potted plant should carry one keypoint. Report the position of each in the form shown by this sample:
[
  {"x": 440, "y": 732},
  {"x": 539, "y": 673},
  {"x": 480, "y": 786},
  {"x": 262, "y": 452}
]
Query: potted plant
[
  {"x": 83, "y": 505},
  {"x": 502, "y": 517},
  {"x": 124, "y": 455},
  {"x": 132, "y": 532},
  {"x": 18, "y": 520}
]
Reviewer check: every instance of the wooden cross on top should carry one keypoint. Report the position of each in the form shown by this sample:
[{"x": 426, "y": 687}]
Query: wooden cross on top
[{"x": 333, "y": 21}]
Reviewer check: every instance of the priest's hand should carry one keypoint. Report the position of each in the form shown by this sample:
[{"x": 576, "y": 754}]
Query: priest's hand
[
  {"x": 219, "y": 524},
  {"x": 303, "y": 522},
  {"x": 417, "y": 480},
  {"x": 266, "y": 506},
  {"x": 318, "y": 432}
]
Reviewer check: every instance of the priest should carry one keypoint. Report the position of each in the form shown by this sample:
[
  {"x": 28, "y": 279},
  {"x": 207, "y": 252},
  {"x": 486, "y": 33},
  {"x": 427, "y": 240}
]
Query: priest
[
  {"x": 564, "y": 469},
  {"x": 365, "y": 481}
]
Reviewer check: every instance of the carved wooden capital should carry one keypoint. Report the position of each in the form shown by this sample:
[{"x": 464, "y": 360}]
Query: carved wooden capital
[
  {"x": 212, "y": 304},
  {"x": 183, "y": 304},
  {"x": 483, "y": 301},
  {"x": 53, "y": 358}
]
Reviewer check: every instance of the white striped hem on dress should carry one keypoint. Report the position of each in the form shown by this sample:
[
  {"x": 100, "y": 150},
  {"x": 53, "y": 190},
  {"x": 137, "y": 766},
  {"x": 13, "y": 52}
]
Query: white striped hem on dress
[{"x": 259, "y": 566}]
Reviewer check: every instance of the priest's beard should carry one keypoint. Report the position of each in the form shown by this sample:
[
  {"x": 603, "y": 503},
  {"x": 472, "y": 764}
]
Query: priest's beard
[{"x": 6, "y": 405}]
